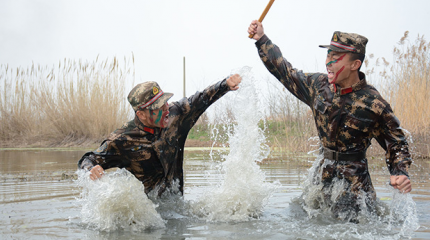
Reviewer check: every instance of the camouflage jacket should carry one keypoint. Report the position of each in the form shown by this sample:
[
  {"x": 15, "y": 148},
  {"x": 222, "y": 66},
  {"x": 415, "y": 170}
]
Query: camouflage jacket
[
  {"x": 347, "y": 119},
  {"x": 155, "y": 156}
]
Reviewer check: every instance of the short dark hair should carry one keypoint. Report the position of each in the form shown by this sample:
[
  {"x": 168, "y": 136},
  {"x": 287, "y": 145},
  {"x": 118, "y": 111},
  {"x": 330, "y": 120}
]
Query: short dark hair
[{"x": 358, "y": 56}]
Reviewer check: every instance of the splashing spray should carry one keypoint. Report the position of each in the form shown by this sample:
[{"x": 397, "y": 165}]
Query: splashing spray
[
  {"x": 117, "y": 201},
  {"x": 243, "y": 191},
  {"x": 403, "y": 213}
]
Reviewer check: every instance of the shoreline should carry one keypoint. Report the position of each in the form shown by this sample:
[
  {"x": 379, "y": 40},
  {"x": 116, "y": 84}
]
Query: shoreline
[
  {"x": 65, "y": 149},
  {"x": 190, "y": 145}
]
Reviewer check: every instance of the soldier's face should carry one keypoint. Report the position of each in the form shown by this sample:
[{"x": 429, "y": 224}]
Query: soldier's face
[
  {"x": 338, "y": 66},
  {"x": 159, "y": 117},
  {"x": 155, "y": 118}
]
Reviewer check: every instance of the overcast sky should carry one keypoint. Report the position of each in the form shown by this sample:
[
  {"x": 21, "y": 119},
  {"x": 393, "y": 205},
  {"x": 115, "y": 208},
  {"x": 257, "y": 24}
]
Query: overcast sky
[{"x": 211, "y": 34}]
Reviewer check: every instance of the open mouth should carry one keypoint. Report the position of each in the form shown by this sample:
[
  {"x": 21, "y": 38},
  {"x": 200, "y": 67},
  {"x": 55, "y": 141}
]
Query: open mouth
[
  {"x": 166, "y": 119},
  {"x": 330, "y": 74}
]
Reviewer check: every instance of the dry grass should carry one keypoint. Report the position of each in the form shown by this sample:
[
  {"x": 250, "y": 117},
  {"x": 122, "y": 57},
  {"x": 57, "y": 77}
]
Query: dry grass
[
  {"x": 290, "y": 125},
  {"x": 406, "y": 85},
  {"x": 74, "y": 103},
  {"x": 409, "y": 88}
]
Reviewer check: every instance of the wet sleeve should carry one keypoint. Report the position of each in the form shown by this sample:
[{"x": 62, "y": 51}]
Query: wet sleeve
[
  {"x": 87, "y": 162},
  {"x": 393, "y": 140},
  {"x": 196, "y": 104},
  {"x": 107, "y": 156},
  {"x": 298, "y": 83}
]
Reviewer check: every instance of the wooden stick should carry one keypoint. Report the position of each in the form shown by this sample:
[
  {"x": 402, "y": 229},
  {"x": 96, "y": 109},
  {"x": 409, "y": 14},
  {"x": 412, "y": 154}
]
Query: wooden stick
[{"x": 263, "y": 14}]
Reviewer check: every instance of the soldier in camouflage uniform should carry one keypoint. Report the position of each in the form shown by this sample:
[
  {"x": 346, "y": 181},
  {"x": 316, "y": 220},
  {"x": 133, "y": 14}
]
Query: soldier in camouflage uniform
[
  {"x": 151, "y": 146},
  {"x": 348, "y": 113}
]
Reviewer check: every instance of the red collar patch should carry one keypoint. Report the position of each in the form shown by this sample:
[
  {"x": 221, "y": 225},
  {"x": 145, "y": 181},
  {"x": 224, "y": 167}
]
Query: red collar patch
[
  {"x": 147, "y": 129},
  {"x": 346, "y": 90}
]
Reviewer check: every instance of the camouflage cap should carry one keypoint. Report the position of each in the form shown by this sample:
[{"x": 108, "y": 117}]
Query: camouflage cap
[
  {"x": 347, "y": 42},
  {"x": 148, "y": 95}
]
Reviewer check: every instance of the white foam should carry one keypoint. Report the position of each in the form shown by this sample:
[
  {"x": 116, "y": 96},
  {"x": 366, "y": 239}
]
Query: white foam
[
  {"x": 398, "y": 218},
  {"x": 117, "y": 201}
]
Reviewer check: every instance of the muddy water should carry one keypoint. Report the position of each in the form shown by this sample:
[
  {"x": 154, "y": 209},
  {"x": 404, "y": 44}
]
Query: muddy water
[{"x": 38, "y": 200}]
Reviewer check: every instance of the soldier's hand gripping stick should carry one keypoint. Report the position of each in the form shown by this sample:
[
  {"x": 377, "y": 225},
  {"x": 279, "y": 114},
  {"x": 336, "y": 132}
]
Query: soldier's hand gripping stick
[{"x": 263, "y": 14}]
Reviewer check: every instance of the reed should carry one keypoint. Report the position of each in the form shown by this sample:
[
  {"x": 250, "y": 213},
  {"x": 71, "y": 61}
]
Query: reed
[
  {"x": 409, "y": 88},
  {"x": 289, "y": 124},
  {"x": 73, "y": 103},
  {"x": 80, "y": 103},
  {"x": 406, "y": 85}
]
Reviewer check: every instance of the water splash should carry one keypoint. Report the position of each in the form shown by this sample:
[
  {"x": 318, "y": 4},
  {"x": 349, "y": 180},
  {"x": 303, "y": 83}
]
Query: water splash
[
  {"x": 396, "y": 220},
  {"x": 403, "y": 213},
  {"x": 243, "y": 191},
  {"x": 117, "y": 201},
  {"x": 171, "y": 204}
]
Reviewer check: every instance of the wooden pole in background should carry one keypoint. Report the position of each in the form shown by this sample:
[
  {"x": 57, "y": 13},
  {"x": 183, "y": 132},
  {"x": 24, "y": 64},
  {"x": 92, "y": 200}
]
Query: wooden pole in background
[
  {"x": 263, "y": 14},
  {"x": 184, "y": 78}
]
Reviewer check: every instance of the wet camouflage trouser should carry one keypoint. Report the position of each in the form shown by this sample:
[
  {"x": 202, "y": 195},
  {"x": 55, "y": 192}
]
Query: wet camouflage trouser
[{"x": 345, "y": 188}]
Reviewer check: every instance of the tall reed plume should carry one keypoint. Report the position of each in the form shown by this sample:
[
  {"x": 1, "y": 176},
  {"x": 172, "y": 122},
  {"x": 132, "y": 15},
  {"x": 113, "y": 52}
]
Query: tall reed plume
[
  {"x": 406, "y": 85},
  {"x": 68, "y": 104}
]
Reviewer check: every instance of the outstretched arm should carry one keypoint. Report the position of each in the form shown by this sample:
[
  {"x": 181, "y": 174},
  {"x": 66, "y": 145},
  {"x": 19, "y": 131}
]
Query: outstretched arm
[
  {"x": 189, "y": 109},
  {"x": 200, "y": 101}
]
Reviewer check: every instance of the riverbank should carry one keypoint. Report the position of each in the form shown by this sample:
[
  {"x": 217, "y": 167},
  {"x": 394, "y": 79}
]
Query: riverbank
[
  {"x": 87, "y": 144},
  {"x": 281, "y": 137}
]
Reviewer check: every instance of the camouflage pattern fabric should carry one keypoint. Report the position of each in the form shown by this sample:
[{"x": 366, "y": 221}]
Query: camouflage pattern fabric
[
  {"x": 346, "y": 121},
  {"x": 347, "y": 42},
  {"x": 354, "y": 178},
  {"x": 147, "y": 95},
  {"x": 155, "y": 159}
]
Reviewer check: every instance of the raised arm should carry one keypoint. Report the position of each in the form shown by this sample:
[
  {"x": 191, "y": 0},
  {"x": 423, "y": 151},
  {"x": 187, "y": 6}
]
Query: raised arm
[
  {"x": 294, "y": 80},
  {"x": 192, "y": 107}
]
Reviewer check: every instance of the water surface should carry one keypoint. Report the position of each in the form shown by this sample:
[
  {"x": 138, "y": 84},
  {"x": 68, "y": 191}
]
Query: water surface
[{"x": 38, "y": 201}]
